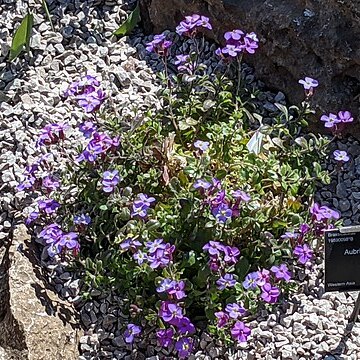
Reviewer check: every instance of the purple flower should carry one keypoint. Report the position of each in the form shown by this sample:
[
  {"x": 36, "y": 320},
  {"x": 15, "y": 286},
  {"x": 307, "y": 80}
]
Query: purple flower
[
  {"x": 270, "y": 293},
  {"x": 251, "y": 281},
  {"x": 87, "y": 128},
  {"x": 48, "y": 206},
  {"x": 263, "y": 276},
  {"x": 304, "y": 253},
  {"x": 233, "y": 37},
  {"x": 240, "y": 331},
  {"x": 91, "y": 102},
  {"x": 165, "y": 337},
  {"x": 226, "y": 281},
  {"x": 181, "y": 59},
  {"x": 51, "y": 233},
  {"x": 184, "y": 347},
  {"x": 28, "y": 183},
  {"x": 222, "y": 213},
  {"x": 161, "y": 257},
  {"x": 201, "y": 145},
  {"x": 304, "y": 229},
  {"x": 231, "y": 254},
  {"x": 159, "y": 45},
  {"x": 231, "y": 50},
  {"x": 50, "y": 183},
  {"x": 323, "y": 213},
  {"x": 330, "y": 121},
  {"x": 86, "y": 84},
  {"x": 109, "y": 180},
  {"x": 165, "y": 285},
  {"x": 290, "y": 235},
  {"x": 202, "y": 184},
  {"x": 69, "y": 240},
  {"x": 191, "y": 24},
  {"x": 222, "y": 318},
  {"x": 328, "y": 213},
  {"x": 251, "y": 43},
  {"x": 130, "y": 244},
  {"x": 170, "y": 312},
  {"x": 141, "y": 205},
  {"x": 213, "y": 247},
  {"x": 234, "y": 310},
  {"x": 51, "y": 134},
  {"x": 178, "y": 290},
  {"x": 241, "y": 195},
  {"x": 82, "y": 219},
  {"x": 236, "y": 43},
  {"x": 130, "y": 333},
  {"x": 308, "y": 83},
  {"x": 32, "y": 217},
  {"x": 281, "y": 272},
  {"x": 184, "y": 326},
  {"x": 140, "y": 257},
  {"x": 155, "y": 245},
  {"x": 341, "y": 156},
  {"x": 345, "y": 116}
]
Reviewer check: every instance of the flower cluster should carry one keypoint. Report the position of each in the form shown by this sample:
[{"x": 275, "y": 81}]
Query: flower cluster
[
  {"x": 322, "y": 217},
  {"x": 229, "y": 319},
  {"x": 190, "y": 26},
  {"x": 98, "y": 147},
  {"x": 159, "y": 45},
  {"x": 337, "y": 123},
  {"x": 221, "y": 256},
  {"x": 141, "y": 205},
  {"x": 87, "y": 93},
  {"x": 52, "y": 134},
  {"x": 264, "y": 280},
  {"x": 172, "y": 288},
  {"x": 180, "y": 328},
  {"x": 110, "y": 179},
  {"x": 157, "y": 254},
  {"x": 237, "y": 42},
  {"x": 58, "y": 241},
  {"x": 222, "y": 208}
]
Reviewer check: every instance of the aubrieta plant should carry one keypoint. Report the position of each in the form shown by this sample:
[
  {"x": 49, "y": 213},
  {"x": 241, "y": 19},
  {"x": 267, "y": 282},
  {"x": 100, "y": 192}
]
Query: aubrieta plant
[{"x": 193, "y": 215}]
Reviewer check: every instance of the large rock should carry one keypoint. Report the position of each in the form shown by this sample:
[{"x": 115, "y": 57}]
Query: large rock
[
  {"x": 319, "y": 38},
  {"x": 34, "y": 323}
]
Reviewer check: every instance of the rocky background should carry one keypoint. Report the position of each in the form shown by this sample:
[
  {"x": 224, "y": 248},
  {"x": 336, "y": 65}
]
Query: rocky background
[
  {"x": 42, "y": 315},
  {"x": 298, "y": 38}
]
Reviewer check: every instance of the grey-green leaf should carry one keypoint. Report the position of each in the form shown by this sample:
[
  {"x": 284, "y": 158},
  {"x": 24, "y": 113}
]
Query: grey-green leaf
[
  {"x": 129, "y": 24},
  {"x": 22, "y": 37}
]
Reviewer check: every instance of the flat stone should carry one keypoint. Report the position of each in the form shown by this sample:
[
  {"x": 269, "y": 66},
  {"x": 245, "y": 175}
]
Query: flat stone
[{"x": 32, "y": 325}]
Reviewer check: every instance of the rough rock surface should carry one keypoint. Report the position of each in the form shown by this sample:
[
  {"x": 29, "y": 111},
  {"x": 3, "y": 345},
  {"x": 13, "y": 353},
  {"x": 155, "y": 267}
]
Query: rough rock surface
[
  {"x": 34, "y": 323},
  {"x": 297, "y": 38}
]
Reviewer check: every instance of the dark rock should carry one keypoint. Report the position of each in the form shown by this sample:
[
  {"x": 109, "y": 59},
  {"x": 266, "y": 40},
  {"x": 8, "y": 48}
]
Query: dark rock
[{"x": 297, "y": 38}]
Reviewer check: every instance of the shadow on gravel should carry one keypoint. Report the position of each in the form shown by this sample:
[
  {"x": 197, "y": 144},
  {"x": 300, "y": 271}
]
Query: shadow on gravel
[{"x": 42, "y": 289}]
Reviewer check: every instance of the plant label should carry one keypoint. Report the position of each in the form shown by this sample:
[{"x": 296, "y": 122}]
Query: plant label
[{"x": 342, "y": 259}]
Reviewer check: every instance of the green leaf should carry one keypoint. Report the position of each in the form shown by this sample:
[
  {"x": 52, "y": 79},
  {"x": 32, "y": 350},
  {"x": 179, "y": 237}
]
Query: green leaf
[
  {"x": 44, "y": 4},
  {"x": 22, "y": 36},
  {"x": 103, "y": 207},
  {"x": 129, "y": 24}
]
